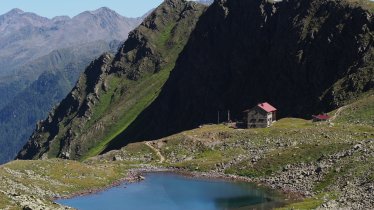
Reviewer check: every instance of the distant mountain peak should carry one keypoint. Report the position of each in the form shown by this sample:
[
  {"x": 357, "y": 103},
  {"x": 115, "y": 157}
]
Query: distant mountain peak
[
  {"x": 15, "y": 11},
  {"x": 104, "y": 10}
]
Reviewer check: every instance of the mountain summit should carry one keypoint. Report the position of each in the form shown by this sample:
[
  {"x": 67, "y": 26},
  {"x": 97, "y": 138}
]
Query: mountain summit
[
  {"x": 104, "y": 10},
  {"x": 14, "y": 11}
]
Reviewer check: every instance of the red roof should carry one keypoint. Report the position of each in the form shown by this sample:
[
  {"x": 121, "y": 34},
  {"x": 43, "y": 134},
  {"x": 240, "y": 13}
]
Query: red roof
[
  {"x": 267, "y": 107},
  {"x": 322, "y": 117}
]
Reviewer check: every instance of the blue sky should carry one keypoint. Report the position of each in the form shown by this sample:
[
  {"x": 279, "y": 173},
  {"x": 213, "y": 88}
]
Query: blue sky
[{"x": 52, "y": 8}]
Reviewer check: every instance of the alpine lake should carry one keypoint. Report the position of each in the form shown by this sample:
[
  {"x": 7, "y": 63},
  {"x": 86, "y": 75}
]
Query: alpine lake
[{"x": 170, "y": 191}]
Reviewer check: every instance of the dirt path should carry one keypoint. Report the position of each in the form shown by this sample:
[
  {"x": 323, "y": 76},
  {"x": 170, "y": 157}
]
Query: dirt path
[
  {"x": 158, "y": 153},
  {"x": 337, "y": 113}
]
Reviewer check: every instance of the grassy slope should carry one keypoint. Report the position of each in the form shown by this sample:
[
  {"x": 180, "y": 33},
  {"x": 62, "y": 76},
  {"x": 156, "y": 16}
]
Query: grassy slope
[
  {"x": 359, "y": 112},
  {"x": 288, "y": 142},
  {"x": 44, "y": 180},
  {"x": 125, "y": 99},
  {"x": 139, "y": 96},
  {"x": 4, "y": 202},
  {"x": 142, "y": 93}
]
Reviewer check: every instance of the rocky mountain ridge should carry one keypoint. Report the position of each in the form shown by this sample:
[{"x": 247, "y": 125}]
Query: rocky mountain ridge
[
  {"x": 38, "y": 52},
  {"x": 37, "y": 36},
  {"x": 114, "y": 89},
  {"x": 303, "y": 57},
  {"x": 26, "y": 107}
]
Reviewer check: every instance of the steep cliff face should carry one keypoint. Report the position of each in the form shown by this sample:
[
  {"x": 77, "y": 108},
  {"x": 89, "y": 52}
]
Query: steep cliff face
[
  {"x": 303, "y": 57},
  {"x": 115, "y": 89}
]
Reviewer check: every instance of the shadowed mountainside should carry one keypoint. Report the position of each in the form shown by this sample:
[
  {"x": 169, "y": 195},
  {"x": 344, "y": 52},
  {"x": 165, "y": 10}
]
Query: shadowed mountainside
[{"x": 304, "y": 57}]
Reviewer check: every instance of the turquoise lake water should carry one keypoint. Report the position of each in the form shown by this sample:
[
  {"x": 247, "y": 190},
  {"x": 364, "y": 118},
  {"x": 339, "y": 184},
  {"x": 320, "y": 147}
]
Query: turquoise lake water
[{"x": 168, "y": 191}]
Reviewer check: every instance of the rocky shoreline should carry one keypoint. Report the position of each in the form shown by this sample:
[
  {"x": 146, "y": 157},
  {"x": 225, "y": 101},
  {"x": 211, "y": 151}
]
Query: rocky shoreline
[
  {"x": 298, "y": 181},
  {"x": 133, "y": 176},
  {"x": 340, "y": 178},
  {"x": 295, "y": 182}
]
